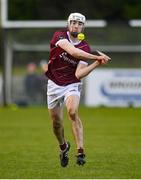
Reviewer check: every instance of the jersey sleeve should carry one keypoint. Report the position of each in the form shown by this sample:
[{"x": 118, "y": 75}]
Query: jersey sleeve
[
  {"x": 83, "y": 62},
  {"x": 57, "y": 37}
]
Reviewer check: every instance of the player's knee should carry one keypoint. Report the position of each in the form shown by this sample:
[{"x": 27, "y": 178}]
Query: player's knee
[
  {"x": 55, "y": 117},
  {"x": 72, "y": 113}
]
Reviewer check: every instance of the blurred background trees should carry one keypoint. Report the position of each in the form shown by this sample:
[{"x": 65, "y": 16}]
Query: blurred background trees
[{"x": 93, "y": 9}]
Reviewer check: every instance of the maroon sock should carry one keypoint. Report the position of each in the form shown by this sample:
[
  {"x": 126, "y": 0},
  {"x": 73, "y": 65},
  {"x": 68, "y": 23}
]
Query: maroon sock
[
  {"x": 80, "y": 151},
  {"x": 63, "y": 146}
]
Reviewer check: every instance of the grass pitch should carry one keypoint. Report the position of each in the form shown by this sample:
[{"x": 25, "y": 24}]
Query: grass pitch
[{"x": 28, "y": 148}]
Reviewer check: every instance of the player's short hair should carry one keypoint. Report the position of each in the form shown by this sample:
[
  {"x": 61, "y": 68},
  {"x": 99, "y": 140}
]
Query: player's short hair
[{"x": 77, "y": 17}]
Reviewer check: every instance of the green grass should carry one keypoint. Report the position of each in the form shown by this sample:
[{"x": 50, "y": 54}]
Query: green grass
[{"x": 28, "y": 148}]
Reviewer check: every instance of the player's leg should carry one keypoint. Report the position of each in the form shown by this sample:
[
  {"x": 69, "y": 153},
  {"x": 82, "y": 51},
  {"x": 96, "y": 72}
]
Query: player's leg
[
  {"x": 72, "y": 104},
  {"x": 56, "y": 115},
  {"x": 55, "y": 107},
  {"x": 55, "y": 100}
]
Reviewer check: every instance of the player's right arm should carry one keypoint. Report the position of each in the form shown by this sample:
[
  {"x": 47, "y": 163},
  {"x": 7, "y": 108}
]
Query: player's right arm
[{"x": 78, "y": 53}]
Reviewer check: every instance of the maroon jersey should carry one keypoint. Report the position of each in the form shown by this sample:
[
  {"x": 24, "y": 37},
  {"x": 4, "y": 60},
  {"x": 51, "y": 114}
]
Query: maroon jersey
[{"x": 62, "y": 66}]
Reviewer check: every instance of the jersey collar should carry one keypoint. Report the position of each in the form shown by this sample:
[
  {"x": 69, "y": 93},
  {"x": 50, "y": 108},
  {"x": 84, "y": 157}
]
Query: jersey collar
[{"x": 72, "y": 42}]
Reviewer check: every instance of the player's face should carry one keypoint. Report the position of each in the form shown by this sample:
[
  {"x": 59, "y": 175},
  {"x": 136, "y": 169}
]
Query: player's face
[{"x": 76, "y": 26}]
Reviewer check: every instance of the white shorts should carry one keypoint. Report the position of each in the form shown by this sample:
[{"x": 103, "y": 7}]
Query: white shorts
[{"x": 56, "y": 95}]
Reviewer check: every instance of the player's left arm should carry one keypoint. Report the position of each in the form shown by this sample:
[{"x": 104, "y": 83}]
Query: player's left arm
[{"x": 84, "y": 69}]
